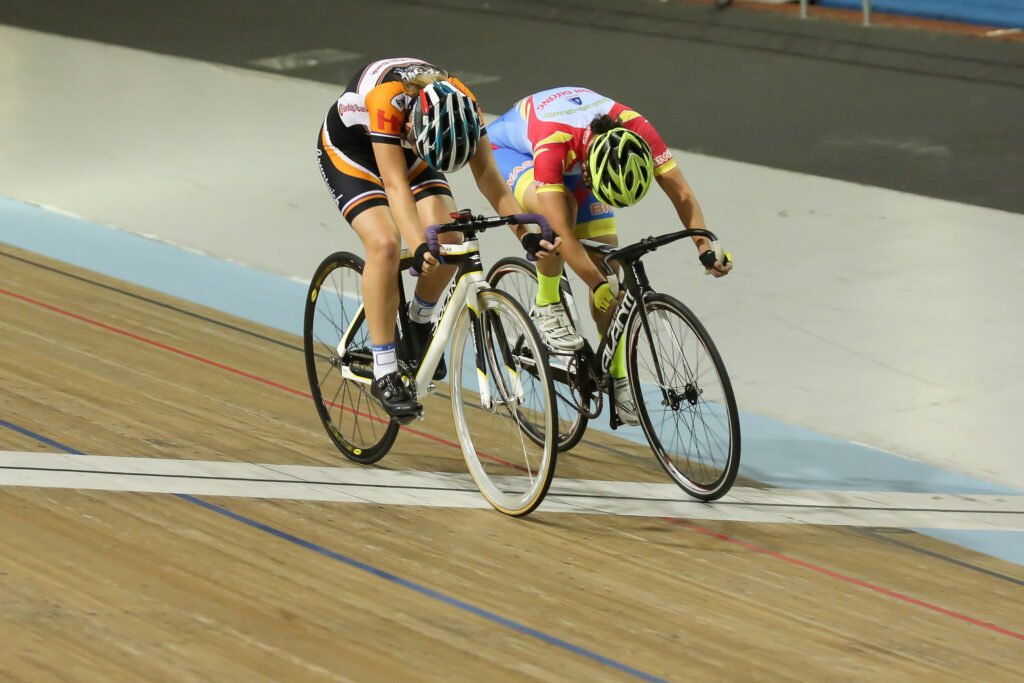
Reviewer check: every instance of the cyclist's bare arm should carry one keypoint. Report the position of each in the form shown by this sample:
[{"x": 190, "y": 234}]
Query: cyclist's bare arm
[
  {"x": 391, "y": 162},
  {"x": 688, "y": 209},
  {"x": 494, "y": 188},
  {"x": 489, "y": 181},
  {"x": 557, "y": 207}
]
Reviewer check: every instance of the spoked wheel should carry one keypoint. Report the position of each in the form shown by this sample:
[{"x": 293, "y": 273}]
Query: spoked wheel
[
  {"x": 508, "y": 430},
  {"x": 518, "y": 277},
  {"x": 339, "y": 361},
  {"x": 684, "y": 398}
]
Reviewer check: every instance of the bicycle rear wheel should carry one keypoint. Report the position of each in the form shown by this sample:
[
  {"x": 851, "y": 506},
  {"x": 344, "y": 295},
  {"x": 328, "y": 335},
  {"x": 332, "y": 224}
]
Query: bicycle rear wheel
[
  {"x": 508, "y": 432},
  {"x": 518, "y": 277},
  {"x": 339, "y": 361},
  {"x": 684, "y": 397}
]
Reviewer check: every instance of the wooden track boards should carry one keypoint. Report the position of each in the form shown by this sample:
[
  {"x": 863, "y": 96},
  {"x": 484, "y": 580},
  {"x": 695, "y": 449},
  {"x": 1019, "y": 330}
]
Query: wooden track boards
[{"x": 104, "y": 585}]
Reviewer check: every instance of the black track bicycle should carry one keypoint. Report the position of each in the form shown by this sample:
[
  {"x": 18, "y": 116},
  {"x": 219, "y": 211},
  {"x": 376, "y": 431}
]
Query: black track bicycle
[{"x": 676, "y": 375}]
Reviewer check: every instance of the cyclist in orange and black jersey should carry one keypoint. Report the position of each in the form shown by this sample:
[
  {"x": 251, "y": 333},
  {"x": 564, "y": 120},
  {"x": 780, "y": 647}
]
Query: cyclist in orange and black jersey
[{"x": 383, "y": 150}]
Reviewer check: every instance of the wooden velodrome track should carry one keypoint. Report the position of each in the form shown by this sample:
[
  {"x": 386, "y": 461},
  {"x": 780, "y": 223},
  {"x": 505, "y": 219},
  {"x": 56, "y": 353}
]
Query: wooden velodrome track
[{"x": 123, "y": 585}]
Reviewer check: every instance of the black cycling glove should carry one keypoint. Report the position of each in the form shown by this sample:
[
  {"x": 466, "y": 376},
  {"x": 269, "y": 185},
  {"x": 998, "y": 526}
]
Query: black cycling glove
[
  {"x": 417, "y": 258},
  {"x": 531, "y": 242}
]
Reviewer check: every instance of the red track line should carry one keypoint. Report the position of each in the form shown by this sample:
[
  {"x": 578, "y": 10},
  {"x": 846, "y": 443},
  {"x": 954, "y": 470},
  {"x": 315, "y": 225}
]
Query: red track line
[
  {"x": 843, "y": 577},
  {"x": 207, "y": 361},
  {"x": 673, "y": 520},
  {"x": 241, "y": 373}
]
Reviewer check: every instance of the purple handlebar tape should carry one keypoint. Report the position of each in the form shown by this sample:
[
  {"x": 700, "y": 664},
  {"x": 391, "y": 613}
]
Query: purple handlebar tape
[
  {"x": 546, "y": 233},
  {"x": 432, "y": 244}
]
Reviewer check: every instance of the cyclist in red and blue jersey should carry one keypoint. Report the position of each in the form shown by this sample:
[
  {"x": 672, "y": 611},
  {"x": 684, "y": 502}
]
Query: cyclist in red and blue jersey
[
  {"x": 574, "y": 155},
  {"x": 383, "y": 149}
]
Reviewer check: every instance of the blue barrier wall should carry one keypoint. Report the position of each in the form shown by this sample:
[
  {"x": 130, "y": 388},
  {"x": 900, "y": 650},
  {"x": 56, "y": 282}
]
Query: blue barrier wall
[{"x": 1005, "y": 13}]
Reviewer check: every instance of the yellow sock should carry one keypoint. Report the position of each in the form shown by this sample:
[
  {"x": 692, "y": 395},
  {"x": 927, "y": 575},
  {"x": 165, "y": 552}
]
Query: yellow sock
[
  {"x": 547, "y": 289},
  {"x": 618, "y": 367}
]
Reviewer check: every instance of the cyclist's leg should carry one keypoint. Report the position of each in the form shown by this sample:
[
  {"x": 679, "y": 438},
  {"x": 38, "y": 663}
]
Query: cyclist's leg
[
  {"x": 359, "y": 194},
  {"x": 380, "y": 237},
  {"x": 379, "y": 234},
  {"x": 548, "y": 311},
  {"x": 596, "y": 221},
  {"x": 434, "y": 203},
  {"x": 434, "y": 210},
  {"x": 352, "y": 178},
  {"x": 551, "y": 267}
]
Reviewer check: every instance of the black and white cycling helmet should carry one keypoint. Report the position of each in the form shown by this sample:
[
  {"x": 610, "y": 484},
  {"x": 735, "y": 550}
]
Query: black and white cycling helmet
[{"x": 446, "y": 126}]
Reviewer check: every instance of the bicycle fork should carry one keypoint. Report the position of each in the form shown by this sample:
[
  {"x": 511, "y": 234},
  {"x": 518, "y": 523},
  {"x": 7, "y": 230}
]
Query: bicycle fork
[
  {"x": 643, "y": 289},
  {"x": 486, "y": 336}
]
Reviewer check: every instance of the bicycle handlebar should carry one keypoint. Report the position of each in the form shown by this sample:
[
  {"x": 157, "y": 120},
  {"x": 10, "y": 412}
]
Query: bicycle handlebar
[
  {"x": 466, "y": 223},
  {"x": 546, "y": 233},
  {"x": 649, "y": 244}
]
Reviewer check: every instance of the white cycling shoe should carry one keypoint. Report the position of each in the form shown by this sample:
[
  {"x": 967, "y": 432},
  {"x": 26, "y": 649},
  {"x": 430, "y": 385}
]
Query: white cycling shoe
[
  {"x": 553, "y": 324},
  {"x": 625, "y": 406}
]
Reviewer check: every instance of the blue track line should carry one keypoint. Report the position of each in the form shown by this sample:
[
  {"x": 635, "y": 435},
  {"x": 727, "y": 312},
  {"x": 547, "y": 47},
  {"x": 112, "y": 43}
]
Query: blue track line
[
  {"x": 39, "y": 437},
  {"x": 423, "y": 590}
]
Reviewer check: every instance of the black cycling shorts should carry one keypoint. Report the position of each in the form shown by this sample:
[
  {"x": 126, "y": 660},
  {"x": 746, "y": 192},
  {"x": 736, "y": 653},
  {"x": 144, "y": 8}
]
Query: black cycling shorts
[{"x": 355, "y": 183}]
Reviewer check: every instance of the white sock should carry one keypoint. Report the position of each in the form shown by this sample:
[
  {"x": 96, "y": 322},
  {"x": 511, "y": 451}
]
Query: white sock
[
  {"x": 421, "y": 311},
  {"x": 385, "y": 361}
]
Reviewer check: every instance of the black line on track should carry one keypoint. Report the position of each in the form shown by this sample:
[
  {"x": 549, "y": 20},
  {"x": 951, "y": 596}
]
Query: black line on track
[
  {"x": 236, "y": 328},
  {"x": 862, "y": 531},
  {"x": 720, "y": 503},
  {"x": 584, "y": 440},
  {"x": 255, "y": 480},
  {"x": 148, "y": 300}
]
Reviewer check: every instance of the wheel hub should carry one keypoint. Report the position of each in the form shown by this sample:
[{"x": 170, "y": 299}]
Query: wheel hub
[{"x": 690, "y": 393}]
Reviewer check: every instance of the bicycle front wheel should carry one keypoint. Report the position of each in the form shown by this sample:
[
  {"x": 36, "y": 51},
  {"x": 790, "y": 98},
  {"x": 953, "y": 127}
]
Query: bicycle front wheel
[
  {"x": 502, "y": 403},
  {"x": 339, "y": 361},
  {"x": 684, "y": 397},
  {"x": 518, "y": 277}
]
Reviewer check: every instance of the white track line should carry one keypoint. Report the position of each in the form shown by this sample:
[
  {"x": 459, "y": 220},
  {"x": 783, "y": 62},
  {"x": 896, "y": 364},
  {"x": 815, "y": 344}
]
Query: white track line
[{"x": 437, "y": 489}]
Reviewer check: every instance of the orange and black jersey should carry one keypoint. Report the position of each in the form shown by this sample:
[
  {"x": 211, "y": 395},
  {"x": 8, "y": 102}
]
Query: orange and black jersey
[{"x": 375, "y": 106}]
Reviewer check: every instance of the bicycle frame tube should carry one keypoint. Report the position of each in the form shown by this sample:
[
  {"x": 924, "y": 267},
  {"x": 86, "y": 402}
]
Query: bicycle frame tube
[
  {"x": 645, "y": 322},
  {"x": 633, "y": 293},
  {"x": 357, "y": 320},
  {"x": 468, "y": 281},
  {"x": 636, "y": 286}
]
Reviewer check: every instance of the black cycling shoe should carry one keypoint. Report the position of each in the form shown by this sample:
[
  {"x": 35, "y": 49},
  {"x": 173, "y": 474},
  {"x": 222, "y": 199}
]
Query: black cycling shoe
[
  {"x": 423, "y": 332},
  {"x": 392, "y": 393}
]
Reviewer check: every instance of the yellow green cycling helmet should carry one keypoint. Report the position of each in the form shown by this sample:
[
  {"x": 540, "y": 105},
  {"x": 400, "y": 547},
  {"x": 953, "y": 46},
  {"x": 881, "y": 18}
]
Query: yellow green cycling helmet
[{"x": 620, "y": 166}]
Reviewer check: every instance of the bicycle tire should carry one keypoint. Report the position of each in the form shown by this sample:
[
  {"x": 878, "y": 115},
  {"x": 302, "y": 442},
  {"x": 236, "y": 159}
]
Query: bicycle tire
[
  {"x": 340, "y": 382},
  {"x": 512, "y": 468},
  {"x": 518, "y": 277},
  {"x": 690, "y": 417}
]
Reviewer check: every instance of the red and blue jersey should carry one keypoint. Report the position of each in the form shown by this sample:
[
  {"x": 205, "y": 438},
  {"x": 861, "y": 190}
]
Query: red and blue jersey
[{"x": 553, "y": 126}]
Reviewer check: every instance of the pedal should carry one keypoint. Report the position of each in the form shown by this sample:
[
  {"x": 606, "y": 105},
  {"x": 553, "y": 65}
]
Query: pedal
[{"x": 407, "y": 419}]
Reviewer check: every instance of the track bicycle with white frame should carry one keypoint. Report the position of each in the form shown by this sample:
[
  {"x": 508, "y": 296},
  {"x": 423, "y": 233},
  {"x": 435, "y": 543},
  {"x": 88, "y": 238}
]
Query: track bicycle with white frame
[{"x": 502, "y": 396}]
